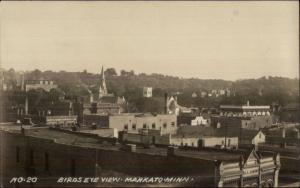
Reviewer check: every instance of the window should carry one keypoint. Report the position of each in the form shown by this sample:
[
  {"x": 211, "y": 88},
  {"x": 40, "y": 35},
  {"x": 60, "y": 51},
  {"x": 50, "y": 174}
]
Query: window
[
  {"x": 192, "y": 143},
  {"x": 125, "y": 126},
  {"x": 73, "y": 168},
  {"x": 46, "y": 161},
  {"x": 134, "y": 126},
  {"x": 259, "y": 135},
  {"x": 31, "y": 157},
  {"x": 173, "y": 124},
  {"x": 228, "y": 142},
  {"x": 153, "y": 125},
  {"x": 144, "y": 125},
  {"x": 165, "y": 125},
  {"x": 17, "y": 154},
  {"x": 222, "y": 142}
]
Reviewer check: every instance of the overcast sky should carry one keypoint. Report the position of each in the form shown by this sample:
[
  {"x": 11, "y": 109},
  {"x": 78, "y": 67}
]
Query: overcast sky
[{"x": 227, "y": 40}]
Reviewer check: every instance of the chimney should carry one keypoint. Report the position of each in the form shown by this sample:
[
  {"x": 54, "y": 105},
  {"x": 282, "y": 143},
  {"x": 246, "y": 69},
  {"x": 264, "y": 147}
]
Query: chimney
[
  {"x": 70, "y": 108},
  {"x": 283, "y": 133},
  {"x": 166, "y": 103},
  {"x": 91, "y": 98},
  {"x": 26, "y": 105}
]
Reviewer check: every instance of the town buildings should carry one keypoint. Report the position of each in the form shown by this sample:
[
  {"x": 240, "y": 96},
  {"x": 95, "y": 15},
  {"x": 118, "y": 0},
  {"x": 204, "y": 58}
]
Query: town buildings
[
  {"x": 46, "y": 85},
  {"x": 51, "y": 153},
  {"x": 107, "y": 103},
  {"x": 244, "y": 116}
]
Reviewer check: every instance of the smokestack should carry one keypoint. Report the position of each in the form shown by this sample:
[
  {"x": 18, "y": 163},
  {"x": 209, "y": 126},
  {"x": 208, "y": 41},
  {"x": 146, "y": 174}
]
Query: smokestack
[
  {"x": 70, "y": 108},
  {"x": 166, "y": 103},
  {"x": 23, "y": 82},
  {"x": 91, "y": 98},
  {"x": 283, "y": 133},
  {"x": 26, "y": 105}
]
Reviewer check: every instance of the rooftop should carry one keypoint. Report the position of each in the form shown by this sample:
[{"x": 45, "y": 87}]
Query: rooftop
[
  {"x": 92, "y": 141},
  {"x": 244, "y": 107}
]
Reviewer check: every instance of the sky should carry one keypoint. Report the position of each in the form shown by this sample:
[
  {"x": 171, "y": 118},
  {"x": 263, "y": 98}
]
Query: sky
[{"x": 207, "y": 40}]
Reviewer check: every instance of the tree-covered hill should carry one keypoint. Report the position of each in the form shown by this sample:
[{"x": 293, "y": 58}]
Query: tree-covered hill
[{"x": 265, "y": 90}]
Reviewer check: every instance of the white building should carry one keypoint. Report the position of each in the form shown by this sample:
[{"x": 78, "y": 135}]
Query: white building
[
  {"x": 47, "y": 85},
  {"x": 147, "y": 92},
  {"x": 199, "y": 120},
  {"x": 130, "y": 122}
]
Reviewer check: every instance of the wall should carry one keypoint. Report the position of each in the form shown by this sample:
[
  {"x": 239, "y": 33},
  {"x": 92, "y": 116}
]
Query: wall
[
  {"x": 184, "y": 141},
  {"x": 255, "y": 122},
  {"x": 60, "y": 159},
  {"x": 259, "y": 138},
  {"x": 165, "y": 123},
  {"x": 214, "y": 141},
  {"x": 101, "y": 121},
  {"x": 46, "y": 87}
]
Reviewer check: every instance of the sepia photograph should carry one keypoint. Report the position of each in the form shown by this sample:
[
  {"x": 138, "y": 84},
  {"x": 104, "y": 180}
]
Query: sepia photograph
[{"x": 149, "y": 94}]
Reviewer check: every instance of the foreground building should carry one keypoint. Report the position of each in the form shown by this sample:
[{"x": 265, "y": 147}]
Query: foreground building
[{"x": 50, "y": 154}]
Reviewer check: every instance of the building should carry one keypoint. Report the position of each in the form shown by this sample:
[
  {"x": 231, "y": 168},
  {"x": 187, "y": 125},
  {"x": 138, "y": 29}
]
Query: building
[
  {"x": 131, "y": 122},
  {"x": 46, "y": 85},
  {"x": 203, "y": 94},
  {"x": 147, "y": 92},
  {"x": 103, "y": 132},
  {"x": 290, "y": 113},
  {"x": 172, "y": 107},
  {"x": 254, "y": 122},
  {"x": 105, "y": 106},
  {"x": 252, "y": 137},
  {"x": 61, "y": 121},
  {"x": 219, "y": 141},
  {"x": 199, "y": 120},
  {"x": 244, "y": 110},
  {"x": 52, "y": 154},
  {"x": 107, "y": 103},
  {"x": 96, "y": 120}
]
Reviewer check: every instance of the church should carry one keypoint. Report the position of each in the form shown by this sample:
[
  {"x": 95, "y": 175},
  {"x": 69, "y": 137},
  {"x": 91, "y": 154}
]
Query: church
[{"x": 106, "y": 103}]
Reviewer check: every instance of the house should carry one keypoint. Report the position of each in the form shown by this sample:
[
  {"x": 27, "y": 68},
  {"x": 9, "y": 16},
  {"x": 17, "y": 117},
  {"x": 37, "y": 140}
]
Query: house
[
  {"x": 46, "y": 85},
  {"x": 147, "y": 92},
  {"x": 252, "y": 137},
  {"x": 199, "y": 120}
]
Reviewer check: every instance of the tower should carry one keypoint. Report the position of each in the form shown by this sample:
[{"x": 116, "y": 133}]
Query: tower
[{"x": 102, "y": 87}]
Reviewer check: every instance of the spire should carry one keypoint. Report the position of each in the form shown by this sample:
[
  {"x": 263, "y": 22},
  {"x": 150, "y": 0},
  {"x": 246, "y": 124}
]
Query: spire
[{"x": 102, "y": 87}]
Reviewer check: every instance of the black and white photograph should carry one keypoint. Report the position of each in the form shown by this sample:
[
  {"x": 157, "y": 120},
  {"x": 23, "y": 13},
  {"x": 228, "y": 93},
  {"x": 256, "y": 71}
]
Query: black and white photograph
[{"x": 149, "y": 94}]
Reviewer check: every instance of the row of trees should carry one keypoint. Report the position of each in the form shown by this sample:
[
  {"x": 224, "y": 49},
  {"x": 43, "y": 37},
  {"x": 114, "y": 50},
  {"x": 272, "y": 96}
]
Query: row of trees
[{"x": 128, "y": 84}]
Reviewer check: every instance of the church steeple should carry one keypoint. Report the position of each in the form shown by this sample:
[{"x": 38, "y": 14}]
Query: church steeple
[{"x": 102, "y": 87}]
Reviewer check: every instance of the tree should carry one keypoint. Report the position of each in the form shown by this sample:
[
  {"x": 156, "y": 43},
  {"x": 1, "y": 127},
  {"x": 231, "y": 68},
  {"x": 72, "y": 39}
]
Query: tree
[
  {"x": 127, "y": 73},
  {"x": 37, "y": 74},
  {"x": 110, "y": 72}
]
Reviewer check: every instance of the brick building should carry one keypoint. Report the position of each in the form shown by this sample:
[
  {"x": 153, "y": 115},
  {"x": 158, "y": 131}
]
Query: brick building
[{"x": 50, "y": 154}]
